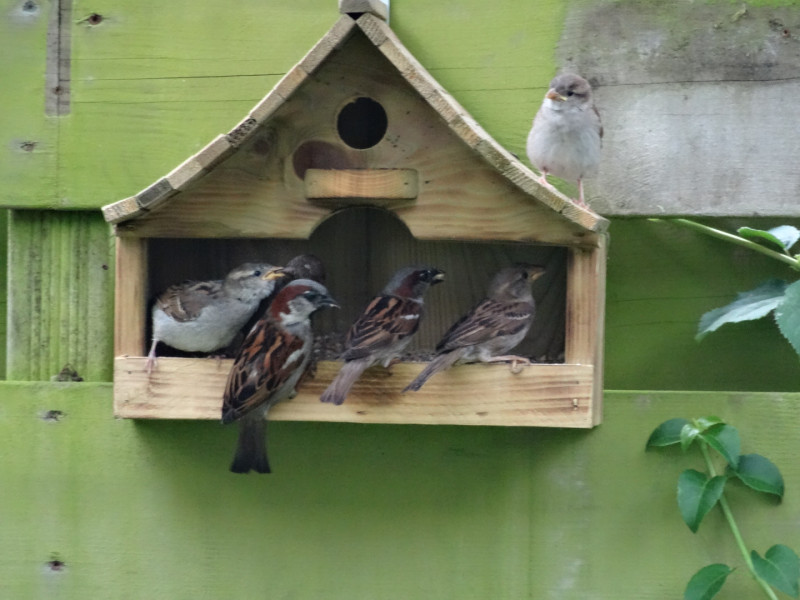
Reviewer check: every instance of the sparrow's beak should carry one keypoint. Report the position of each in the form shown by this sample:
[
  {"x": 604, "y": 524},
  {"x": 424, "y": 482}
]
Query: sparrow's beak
[
  {"x": 328, "y": 301},
  {"x": 438, "y": 278},
  {"x": 554, "y": 95},
  {"x": 274, "y": 273},
  {"x": 534, "y": 273}
]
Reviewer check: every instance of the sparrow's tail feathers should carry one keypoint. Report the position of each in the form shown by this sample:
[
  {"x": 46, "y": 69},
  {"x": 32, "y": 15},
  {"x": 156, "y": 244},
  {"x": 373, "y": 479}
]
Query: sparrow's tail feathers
[
  {"x": 340, "y": 386},
  {"x": 439, "y": 363},
  {"x": 251, "y": 450}
]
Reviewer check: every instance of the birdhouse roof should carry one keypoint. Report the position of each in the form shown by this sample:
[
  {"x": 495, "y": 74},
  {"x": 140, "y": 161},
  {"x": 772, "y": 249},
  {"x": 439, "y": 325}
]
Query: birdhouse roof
[{"x": 182, "y": 192}]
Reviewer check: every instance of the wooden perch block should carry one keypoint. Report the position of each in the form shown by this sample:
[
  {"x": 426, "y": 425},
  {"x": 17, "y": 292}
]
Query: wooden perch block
[
  {"x": 541, "y": 395},
  {"x": 372, "y": 186},
  {"x": 379, "y": 8}
]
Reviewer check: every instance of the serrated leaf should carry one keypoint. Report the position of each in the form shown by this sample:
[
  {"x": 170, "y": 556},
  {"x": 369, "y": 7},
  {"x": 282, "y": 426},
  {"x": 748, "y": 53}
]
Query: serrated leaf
[
  {"x": 783, "y": 236},
  {"x": 748, "y": 306},
  {"x": 725, "y": 440},
  {"x": 705, "y": 584},
  {"x": 787, "y": 315},
  {"x": 697, "y": 494},
  {"x": 780, "y": 568},
  {"x": 666, "y": 434},
  {"x": 688, "y": 434},
  {"x": 760, "y": 474}
]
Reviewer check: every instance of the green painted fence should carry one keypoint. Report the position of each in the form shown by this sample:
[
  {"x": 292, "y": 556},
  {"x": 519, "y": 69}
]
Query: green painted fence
[{"x": 148, "y": 509}]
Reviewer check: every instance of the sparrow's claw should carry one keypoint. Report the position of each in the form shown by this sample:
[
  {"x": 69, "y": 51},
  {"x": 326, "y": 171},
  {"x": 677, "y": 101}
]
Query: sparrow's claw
[{"x": 517, "y": 362}]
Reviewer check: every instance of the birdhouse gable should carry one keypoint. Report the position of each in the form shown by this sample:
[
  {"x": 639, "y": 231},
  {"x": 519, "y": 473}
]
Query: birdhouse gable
[{"x": 357, "y": 121}]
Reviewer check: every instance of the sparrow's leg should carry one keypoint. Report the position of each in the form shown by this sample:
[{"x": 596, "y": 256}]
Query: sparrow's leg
[
  {"x": 581, "y": 201},
  {"x": 151, "y": 358},
  {"x": 517, "y": 362},
  {"x": 543, "y": 180}
]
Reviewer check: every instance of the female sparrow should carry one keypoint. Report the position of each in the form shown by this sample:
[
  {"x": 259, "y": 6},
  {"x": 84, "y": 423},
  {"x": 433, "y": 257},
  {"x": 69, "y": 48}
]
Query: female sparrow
[
  {"x": 493, "y": 327},
  {"x": 566, "y": 135},
  {"x": 203, "y": 316},
  {"x": 384, "y": 329},
  {"x": 268, "y": 366}
]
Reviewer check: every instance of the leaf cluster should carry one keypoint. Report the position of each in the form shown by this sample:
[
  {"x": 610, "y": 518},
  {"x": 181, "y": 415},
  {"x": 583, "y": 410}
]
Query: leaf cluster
[{"x": 699, "y": 492}]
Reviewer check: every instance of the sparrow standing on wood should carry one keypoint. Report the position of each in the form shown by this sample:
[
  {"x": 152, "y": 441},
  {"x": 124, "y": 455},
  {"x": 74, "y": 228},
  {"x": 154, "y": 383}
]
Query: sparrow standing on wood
[
  {"x": 383, "y": 331},
  {"x": 566, "y": 135},
  {"x": 495, "y": 326},
  {"x": 203, "y": 316},
  {"x": 268, "y": 366}
]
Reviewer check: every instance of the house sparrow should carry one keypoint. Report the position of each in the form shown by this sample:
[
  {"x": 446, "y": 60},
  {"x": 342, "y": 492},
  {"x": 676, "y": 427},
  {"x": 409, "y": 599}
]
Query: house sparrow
[
  {"x": 493, "y": 327},
  {"x": 384, "y": 329},
  {"x": 306, "y": 266},
  {"x": 268, "y": 366},
  {"x": 566, "y": 135},
  {"x": 203, "y": 316}
]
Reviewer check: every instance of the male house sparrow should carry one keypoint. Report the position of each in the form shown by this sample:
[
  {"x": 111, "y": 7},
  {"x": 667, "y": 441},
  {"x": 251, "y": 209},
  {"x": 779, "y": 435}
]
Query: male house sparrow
[
  {"x": 384, "y": 329},
  {"x": 566, "y": 135},
  {"x": 493, "y": 327},
  {"x": 203, "y": 316},
  {"x": 273, "y": 357}
]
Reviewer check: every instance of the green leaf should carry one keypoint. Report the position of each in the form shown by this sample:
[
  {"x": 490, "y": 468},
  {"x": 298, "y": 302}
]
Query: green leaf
[
  {"x": 760, "y": 474},
  {"x": 704, "y": 423},
  {"x": 697, "y": 494},
  {"x": 725, "y": 440},
  {"x": 780, "y": 568},
  {"x": 688, "y": 435},
  {"x": 783, "y": 236},
  {"x": 748, "y": 306},
  {"x": 787, "y": 315},
  {"x": 705, "y": 584},
  {"x": 667, "y": 434}
]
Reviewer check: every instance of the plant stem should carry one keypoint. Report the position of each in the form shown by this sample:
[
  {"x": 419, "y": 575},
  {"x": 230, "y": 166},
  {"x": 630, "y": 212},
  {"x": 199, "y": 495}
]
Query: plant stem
[
  {"x": 737, "y": 535},
  {"x": 735, "y": 239}
]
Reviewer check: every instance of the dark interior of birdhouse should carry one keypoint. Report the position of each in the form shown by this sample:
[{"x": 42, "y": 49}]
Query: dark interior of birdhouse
[{"x": 361, "y": 248}]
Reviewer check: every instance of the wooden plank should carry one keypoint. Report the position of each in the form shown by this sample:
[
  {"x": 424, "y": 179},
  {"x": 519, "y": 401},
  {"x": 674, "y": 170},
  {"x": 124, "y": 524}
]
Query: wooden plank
[
  {"x": 542, "y": 395},
  {"x": 586, "y": 277},
  {"x": 60, "y": 295},
  {"x": 130, "y": 297},
  {"x": 365, "y": 184}
]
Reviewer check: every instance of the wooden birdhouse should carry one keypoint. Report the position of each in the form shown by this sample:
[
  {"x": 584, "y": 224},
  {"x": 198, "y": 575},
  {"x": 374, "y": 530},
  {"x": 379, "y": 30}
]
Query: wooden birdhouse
[{"x": 359, "y": 156}]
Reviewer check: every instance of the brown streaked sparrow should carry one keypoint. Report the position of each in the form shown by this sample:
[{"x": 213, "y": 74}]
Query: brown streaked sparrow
[
  {"x": 496, "y": 325},
  {"x": 566, "y": 135},
  {"x": 203, "y": 316},
  {"x": 384, "y": 329},
  {"x": 273, "y": 357}
]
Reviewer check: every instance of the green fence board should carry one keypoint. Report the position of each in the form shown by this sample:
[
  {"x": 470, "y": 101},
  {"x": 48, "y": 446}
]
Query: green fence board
[
  {"x": 149, "y": 510},
  {"x": 60, "y": 296}
]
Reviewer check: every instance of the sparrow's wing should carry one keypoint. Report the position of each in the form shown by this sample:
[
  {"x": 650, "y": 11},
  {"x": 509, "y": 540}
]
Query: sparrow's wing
[
  {"x": 266, "y": 361},
  {"x": 599, "y": 123},
  {"x": 385, "y": 321},
  {"x": 185, "y": 301},
  {"x": 489, "y": 319}
]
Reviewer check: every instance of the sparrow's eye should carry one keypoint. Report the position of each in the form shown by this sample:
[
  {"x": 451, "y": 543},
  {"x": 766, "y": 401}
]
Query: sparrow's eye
[
  {"x": 257, "y": 273},
  {"x": 570, "y": 93},
  {"x": 310, "y": 295}
]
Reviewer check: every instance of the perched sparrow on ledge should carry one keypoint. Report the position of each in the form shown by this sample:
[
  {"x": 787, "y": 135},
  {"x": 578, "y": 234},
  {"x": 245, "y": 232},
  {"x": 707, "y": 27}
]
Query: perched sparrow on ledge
[
  {"x": 383, "y": 331},
  {"x": 495, "y": 326},
  {"x": 566, "y": 135},
  {"x": 268, "y": 366},
  {"x": 203, "y": 316}
]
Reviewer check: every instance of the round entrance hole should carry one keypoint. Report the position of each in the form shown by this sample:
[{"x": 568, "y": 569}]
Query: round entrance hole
[{"x": 362, "y": 123}]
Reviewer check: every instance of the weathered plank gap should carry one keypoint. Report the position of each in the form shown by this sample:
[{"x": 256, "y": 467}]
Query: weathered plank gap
[{"x": 57, "y": 68}]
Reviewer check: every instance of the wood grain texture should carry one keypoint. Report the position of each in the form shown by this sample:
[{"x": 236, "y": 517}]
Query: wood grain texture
[
  {"x": 468, "y": 506},
  {"x": 373, "y": 185},
  {"x": 61, "y": 295},
  {"x": 542, "y": 395},
  {"x": 694, "y": 101},
  {"x": 131, "y": 297}
]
